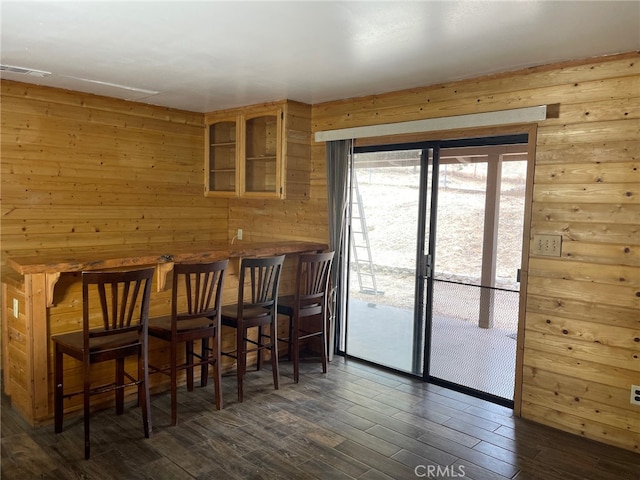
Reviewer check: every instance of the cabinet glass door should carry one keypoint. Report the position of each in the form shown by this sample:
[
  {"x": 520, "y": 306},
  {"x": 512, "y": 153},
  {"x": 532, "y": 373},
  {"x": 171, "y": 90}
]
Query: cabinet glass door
[
  {"x": 262, "y": 165},
  {"x": 221, "y": 175}
]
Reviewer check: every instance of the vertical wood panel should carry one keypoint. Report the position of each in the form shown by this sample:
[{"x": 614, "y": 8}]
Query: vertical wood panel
[{"x": 36, "y": 315}]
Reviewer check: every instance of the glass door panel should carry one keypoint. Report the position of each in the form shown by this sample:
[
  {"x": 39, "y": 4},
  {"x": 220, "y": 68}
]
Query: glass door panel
[
  {"x": 222, "y": 157},
  {"x": 475, "y": 293},
  {"x": 261, "y": 155},
  {"x": 385, "y": 204}
]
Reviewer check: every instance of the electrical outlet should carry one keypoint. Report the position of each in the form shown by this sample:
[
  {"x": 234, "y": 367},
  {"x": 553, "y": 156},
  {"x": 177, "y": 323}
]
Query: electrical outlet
[
  {"x": 635, "y": 394},
  {"x": 547, "y": 245},
  {"x": 16, "y": 309},
  {"x": 239, "y": 234}
]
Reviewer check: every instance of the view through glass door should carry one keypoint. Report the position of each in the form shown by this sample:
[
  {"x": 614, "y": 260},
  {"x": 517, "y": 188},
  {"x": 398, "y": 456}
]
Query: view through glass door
[
  {"x": 478, "y": 250},
  {"x": 386, "y": 322},
  {"x": 458, "y": 324}
]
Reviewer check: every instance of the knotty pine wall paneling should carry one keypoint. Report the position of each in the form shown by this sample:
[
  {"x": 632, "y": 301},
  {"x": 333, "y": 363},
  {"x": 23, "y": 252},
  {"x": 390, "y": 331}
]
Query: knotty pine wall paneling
[
  {"x": 581, "y": 324},
  {"x": 581, "y": 321},
  {"x": 303, "y": 214},
  {"x": 84, "y": 173},
  {"x": 88, "y": 173}
]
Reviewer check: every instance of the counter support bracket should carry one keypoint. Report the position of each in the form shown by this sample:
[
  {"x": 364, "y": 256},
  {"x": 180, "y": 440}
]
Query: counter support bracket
[
  {"x": 50, "y": 282},
  {"x": 163, "y": 270}
]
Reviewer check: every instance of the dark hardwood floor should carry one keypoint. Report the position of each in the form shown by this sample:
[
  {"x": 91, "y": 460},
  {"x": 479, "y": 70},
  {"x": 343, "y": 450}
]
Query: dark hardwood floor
[{"x": 354, "y": 422}]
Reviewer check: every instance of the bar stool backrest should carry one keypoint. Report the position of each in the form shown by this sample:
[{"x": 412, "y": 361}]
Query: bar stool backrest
[
  {"x": 314, "y": 271},
  {"x": 124, "y": 303},
  {"x": 202, "y": 285},
  {"x": 263, "y": 277}
]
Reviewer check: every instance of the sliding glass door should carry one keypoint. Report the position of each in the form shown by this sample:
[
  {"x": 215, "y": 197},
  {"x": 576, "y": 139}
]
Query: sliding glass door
[{"x": 435, "y": 247}]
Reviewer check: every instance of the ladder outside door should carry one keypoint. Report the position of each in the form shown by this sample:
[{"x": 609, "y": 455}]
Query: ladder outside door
[{"x": 360, "y": 245}]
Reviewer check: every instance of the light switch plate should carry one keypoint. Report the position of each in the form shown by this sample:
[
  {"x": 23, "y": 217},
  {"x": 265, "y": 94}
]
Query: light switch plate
[
  {"x": 16, "y": 309},
  {"x": 547, "y": 245}
]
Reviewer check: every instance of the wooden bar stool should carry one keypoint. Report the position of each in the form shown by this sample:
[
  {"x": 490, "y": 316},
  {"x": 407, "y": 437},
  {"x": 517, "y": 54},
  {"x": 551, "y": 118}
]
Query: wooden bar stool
[
  {"x": 195, "y": 315},
  {"x": 123, "y": 310},
  {"x": 257, "y": 310},
  {"x": 308, "y": 303}
]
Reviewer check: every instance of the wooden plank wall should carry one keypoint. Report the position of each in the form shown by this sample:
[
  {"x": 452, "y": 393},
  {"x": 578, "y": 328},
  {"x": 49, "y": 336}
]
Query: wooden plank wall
[
  {"x": 582, "y": 338},
  {"x": 303, "y": 214},
  {"x": 82, "y": 172},
  {"x": 89, "y": 172}
]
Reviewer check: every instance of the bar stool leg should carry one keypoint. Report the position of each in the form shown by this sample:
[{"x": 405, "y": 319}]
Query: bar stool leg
[
  {"x": 204, "y": 368},
  {"x": 242, "y": 359},
  {"x": 273, "y": 333},
  {"x": 58, "y": 394}
]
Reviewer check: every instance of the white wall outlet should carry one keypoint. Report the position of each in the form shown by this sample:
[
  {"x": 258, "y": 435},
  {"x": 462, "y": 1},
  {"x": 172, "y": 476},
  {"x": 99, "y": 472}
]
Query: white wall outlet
[
  {"x": 16, "y": 308},
  {"x": 239, "y": 234},
  {"x": 547, "y": 245},
  {"x": 635, "y": 394}
]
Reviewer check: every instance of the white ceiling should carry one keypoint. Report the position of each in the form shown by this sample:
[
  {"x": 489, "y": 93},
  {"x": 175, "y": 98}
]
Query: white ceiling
[{"x": 208, "y": 55}]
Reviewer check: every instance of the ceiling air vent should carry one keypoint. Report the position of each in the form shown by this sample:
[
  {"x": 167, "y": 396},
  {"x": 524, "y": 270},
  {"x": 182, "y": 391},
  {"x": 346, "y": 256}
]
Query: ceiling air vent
[{"x": 24, "y": 71}]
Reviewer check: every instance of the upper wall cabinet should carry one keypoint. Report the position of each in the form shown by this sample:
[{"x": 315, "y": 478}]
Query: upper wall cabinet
[{"x": 261, "y": 151}]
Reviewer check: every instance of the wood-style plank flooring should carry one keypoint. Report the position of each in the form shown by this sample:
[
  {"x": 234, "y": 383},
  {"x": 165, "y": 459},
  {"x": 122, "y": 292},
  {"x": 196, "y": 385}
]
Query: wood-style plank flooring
[{"x": 355, "y": 422}]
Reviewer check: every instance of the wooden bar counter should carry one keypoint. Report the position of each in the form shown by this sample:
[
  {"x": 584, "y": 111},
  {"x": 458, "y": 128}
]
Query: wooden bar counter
[{"x": 31, "y": 313}]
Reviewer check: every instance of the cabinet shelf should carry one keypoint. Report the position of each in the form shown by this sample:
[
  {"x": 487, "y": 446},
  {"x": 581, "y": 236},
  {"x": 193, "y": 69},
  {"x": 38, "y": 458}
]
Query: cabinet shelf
[
  {"x": 255, "y": 151},
  {"x": 221, "y": 157},
  {"x": 244, "y": 153}
]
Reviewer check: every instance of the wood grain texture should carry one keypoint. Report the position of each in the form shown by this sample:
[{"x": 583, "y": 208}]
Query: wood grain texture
[
  {"x": 84, "y": 172},
  {"x": 100, "y": 172},
  {"x": 157, "y": 254},
  {"x": 354, "y": 422},
  {"x": 64, "y": 313},
  {"x": 586, "y": 189},
  {"x": 86, "y": 178},
  {"x": 289, "y": 136}
]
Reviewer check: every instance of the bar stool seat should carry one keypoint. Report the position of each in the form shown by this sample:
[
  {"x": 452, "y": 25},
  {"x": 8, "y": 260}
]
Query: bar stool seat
[
  {"x": 74, "y": 341},
  {"x": 161, "y": 326}
]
